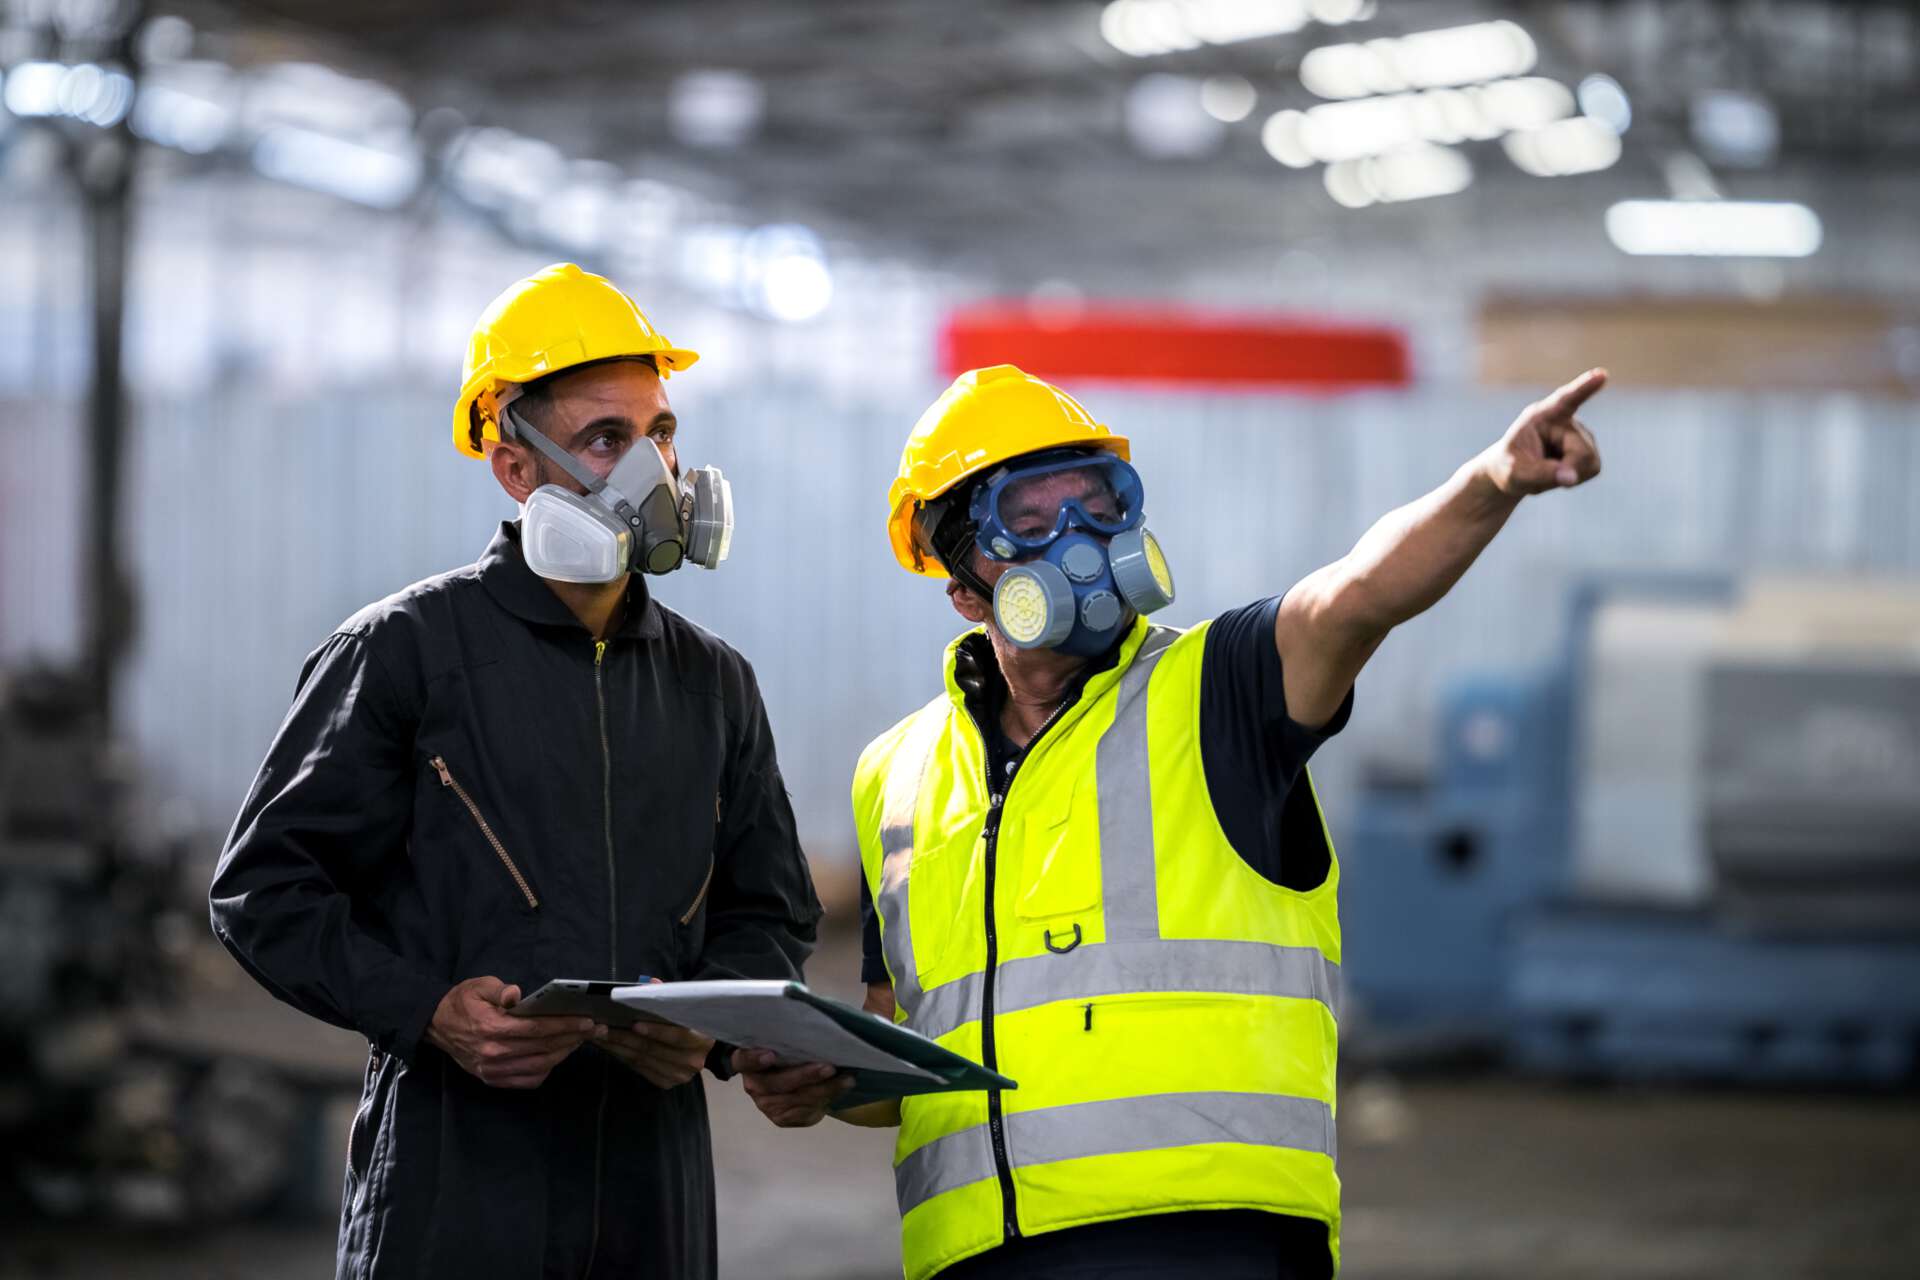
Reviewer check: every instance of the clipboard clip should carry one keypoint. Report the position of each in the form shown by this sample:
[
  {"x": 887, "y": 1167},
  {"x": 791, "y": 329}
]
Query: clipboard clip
[{"x": 1060, "y": 951}]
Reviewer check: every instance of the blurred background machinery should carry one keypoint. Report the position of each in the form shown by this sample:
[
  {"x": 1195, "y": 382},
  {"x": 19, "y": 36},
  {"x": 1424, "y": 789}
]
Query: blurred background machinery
[
  {"x": 115, "y": 1105},
  {"x": 1689, "y": 847}
]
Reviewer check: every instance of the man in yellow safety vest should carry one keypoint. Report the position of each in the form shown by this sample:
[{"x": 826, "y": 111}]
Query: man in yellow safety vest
[{"x": 1095, "y": 862}]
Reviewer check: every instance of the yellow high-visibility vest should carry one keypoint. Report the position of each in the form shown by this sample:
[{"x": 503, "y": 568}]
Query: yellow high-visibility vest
[{"x": 1168, "y": 1012}]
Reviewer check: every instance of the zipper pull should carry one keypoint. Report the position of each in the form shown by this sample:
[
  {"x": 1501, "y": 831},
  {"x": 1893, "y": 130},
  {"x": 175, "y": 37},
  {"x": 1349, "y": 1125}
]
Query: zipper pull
[
  {"x": 439, "y": 764},
  {"x": 599, "y": 651}
]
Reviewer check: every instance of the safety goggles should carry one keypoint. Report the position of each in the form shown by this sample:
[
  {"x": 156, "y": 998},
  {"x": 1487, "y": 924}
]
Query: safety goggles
[{"x": 1021, "y": 509}]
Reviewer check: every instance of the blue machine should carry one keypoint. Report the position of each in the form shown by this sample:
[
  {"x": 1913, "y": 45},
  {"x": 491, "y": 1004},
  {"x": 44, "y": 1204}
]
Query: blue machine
[{"x": 1462, "y": 925}]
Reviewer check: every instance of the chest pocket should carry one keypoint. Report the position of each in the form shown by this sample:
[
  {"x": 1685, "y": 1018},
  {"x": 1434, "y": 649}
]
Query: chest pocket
[
  {"x": 946, "y": 887},
  {"x": 1058, "y": 841}
]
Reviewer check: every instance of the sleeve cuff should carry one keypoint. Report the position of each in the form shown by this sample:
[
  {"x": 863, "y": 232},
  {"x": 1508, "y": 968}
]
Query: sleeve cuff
[
  {"x": 720, "y": 1060},
  {"x": 404, "y": 1043}
]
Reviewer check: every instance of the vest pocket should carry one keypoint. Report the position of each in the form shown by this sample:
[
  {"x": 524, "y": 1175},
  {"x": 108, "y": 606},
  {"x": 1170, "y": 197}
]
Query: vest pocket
[
  {"x": 944, "y": 914},
  {"x": 1059, "y": 866}
]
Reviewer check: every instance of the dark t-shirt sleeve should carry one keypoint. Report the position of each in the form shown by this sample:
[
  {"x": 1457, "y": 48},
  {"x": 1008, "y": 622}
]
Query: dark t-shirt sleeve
[
  {"x": 873, "y": 965},
  {"x": 1253, "y": 751}
]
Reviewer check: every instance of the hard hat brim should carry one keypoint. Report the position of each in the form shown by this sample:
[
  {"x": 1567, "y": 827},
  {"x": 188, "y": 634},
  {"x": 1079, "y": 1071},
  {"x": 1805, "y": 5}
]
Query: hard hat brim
[
  {"x": 669, "y": 360},
  {"x": 921, "y": 560}
]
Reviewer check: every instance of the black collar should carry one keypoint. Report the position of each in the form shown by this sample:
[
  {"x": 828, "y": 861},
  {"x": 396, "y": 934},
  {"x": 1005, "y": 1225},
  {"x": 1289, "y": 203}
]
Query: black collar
[
  {"x": 524, "y": 594},
  {"x": 977, "y": 671}
]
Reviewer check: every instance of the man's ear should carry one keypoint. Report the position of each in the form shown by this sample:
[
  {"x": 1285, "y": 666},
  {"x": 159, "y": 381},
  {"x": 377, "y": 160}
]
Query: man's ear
[
  {"x": 514, "y": 467},
  {"x": 967, "y": 602}
]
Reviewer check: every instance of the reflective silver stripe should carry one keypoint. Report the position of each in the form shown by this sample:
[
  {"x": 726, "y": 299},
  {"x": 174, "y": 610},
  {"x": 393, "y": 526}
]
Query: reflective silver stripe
[
  {"x": 952, "y": 1005},
  {"x": 901, "y": 801},
  {"x": 1154, "y": 1122},
  {"x": 1131, "y": 901},
  {"x": 1102, "y": 969},
  {"x": 954, "y": 1160}
]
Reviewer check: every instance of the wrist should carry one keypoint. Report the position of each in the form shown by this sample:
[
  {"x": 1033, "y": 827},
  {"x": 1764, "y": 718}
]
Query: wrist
[{"x": 1486, "y": 479}]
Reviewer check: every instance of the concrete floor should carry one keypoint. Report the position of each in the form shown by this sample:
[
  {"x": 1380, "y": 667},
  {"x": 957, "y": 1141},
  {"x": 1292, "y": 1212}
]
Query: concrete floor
[{"x": 1485, "y": 1178}]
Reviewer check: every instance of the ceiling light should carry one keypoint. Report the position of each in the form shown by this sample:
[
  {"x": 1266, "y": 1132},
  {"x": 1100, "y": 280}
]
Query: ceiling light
[
  {"x": 1165, "y": 117},
  {"x": 1415, "y": 172},
  {"x": 353, "y": 171},
  {"x": 1714, "y": 228},
  {"x": 33, "y": 88},
  {"x": 1365, "y": 127},
  {"x": 1228, "y": 99},
  {"x": 1344, "y": 185},
  {"x": 1735, "y": 128},
  {"x": 715, "y": 108},
  {"x": 1281, "y": 135},
  {"x": 1526, "y": 103},
  {"x": 784, "y": 272},
  {"x": 1350, "y": 71},
  {"x": 1230, "y": 21},
  {"x": 1144, "y": 28},
  {"x": 1148, "y": 28},
  {"x": 1335, "y": 12},
  {"x": 1579, "y": 145},
  {"x": 170, "y": 117},
  {"x": 1425, "y": 60},
  {"x": 1602, "y": 98},
  {"x": 795, "y": 287}
]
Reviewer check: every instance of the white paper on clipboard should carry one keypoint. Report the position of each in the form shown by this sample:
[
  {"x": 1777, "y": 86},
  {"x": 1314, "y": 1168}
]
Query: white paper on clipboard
[{"x": 760, "y": 1015}]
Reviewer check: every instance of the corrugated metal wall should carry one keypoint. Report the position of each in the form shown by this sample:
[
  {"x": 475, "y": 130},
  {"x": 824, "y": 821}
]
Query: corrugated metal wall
[{"x": 261, "y": 522}]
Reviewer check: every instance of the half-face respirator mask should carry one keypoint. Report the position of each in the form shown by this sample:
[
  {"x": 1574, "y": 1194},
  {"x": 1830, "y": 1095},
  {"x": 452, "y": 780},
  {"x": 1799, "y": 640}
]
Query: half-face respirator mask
[
  {"x": 638, "y": 519},
  {"x": 1072, "y": 525}
]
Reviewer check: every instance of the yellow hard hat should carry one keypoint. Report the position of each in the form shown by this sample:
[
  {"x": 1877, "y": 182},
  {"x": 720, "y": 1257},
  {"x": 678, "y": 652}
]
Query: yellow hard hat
[
  {"x": 553, "y": 320},
  {"x": 984, "y": 418}
]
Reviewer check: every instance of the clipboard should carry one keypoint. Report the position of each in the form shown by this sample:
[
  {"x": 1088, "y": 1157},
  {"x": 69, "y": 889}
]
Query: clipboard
[{"x": 885, "y": 1060}]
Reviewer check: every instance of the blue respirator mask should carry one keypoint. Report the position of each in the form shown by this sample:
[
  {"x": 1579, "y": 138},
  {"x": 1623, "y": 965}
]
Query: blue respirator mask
[{"x": 1084, "y": 564}]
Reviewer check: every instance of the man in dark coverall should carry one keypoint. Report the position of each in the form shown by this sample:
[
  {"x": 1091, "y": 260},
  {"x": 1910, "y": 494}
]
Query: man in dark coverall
[{"x": 521, "y": 770}]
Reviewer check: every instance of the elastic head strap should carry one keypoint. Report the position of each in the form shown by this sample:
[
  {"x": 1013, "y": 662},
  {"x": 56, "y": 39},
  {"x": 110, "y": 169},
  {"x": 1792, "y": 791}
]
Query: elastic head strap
[
  {"x": 950, "y": 532},
  {"x": 523, "y": 430}
]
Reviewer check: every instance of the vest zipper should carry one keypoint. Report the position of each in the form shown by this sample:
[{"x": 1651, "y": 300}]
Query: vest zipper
[
  {"x": 613, "y": 934},
  {"x": 989, "y": 1053},
  {"x": 439, "y": 764}
]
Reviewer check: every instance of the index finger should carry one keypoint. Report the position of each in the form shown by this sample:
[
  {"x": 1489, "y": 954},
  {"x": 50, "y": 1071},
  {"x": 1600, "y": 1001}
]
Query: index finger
[{"x": 1576, "y": 393}]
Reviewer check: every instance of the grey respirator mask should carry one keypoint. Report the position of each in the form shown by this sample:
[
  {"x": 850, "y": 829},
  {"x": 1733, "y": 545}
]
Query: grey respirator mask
[{"x": 639, "y": 519}]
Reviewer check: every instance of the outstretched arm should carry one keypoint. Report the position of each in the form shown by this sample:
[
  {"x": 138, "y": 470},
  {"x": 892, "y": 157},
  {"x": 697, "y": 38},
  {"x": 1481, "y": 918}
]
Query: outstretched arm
[{"x": 1330, "y": 623}]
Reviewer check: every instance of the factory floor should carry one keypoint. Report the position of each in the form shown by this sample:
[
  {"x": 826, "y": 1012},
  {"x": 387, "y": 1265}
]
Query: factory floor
[{"x": 1477, "y": 1177}]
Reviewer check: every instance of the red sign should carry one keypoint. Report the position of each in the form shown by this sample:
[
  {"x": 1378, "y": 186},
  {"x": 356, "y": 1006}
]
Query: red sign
[{"x": 1153, "y": 344}]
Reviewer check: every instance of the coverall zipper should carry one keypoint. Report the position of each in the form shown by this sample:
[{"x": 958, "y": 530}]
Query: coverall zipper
[
  {"x": 989, "y": 1054},
  {"x": 439, "y": 764},
  {"x": 613, "y": 935}
]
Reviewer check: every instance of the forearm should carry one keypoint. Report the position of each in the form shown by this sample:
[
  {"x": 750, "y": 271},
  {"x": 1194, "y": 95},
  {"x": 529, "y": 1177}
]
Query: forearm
[
  {"x": 1329, "y": 625},
  {"x": 1413, "y": 555},
  {"x": 884, "y": 1114},
  {"x": 299, "y": 940}
]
